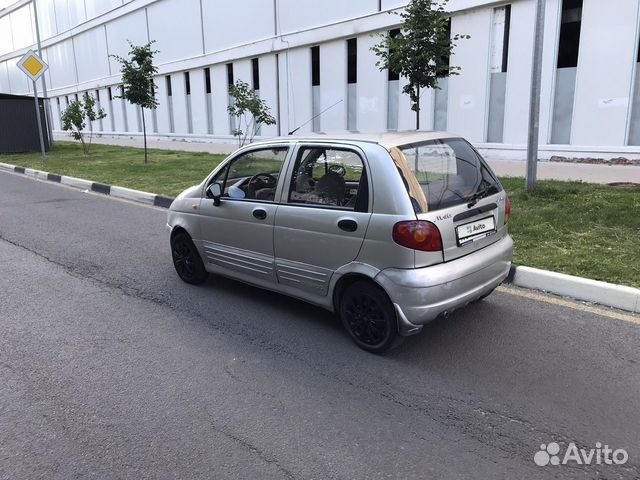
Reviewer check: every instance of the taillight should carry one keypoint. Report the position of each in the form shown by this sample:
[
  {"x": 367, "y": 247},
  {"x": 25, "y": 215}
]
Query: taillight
[
  {"x": 418, "y": 235},
  {"x": 507, "y": 209}
]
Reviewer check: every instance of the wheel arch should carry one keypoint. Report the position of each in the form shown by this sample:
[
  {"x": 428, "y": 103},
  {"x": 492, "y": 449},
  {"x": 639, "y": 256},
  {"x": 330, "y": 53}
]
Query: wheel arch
[
  {"x": 353, "y": 273},
  {"x": 179, "y": 229}
]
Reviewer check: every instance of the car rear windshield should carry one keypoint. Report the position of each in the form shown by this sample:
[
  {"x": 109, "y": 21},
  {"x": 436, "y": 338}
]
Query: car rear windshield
[{"x": 443, "y": 173}]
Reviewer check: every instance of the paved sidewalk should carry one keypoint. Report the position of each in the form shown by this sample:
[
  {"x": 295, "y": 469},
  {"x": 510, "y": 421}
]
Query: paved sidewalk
[
  {"x": 569, "y": 171},
  {"x": 510, "y": 168}
]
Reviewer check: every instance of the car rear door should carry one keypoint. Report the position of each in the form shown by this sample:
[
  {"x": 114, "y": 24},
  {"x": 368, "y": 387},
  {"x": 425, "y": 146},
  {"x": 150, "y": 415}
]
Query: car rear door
[
  {"x": 321, "y": 222},
  {"x": 457, "y": 192}
]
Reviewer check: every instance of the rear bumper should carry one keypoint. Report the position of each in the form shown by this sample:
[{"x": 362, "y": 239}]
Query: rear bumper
[{"x": 422, "y": 294}]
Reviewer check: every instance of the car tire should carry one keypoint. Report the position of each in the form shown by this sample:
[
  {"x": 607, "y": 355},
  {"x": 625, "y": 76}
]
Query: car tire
[
  {"x": 186, "y": 259},
  {"x": 369, "y": 317}
]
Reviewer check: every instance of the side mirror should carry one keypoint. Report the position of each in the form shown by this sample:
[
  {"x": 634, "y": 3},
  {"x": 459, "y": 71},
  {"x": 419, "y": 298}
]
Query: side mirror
[{"x": 215, "y": 191}]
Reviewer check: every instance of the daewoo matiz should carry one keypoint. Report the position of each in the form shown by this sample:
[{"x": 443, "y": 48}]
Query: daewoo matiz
[{"x": 389, "y": 231}]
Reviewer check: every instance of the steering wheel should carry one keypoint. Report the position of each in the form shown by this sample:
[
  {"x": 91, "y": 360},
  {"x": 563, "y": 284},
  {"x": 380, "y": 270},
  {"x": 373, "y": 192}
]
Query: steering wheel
[
  {"x": 338, "y": 169},
  {"x": 258, "y": 181}
]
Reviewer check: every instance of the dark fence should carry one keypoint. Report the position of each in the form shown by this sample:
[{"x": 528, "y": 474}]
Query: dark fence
[{"x": 19, "y": 126}]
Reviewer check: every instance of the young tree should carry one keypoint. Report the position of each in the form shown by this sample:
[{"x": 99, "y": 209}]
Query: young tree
[
  {"x": 137, "y": 81},
  {"x": 249, "y": 112},
  {"x": 74, "y": 116},
  {"x": 418, "y": 50}
]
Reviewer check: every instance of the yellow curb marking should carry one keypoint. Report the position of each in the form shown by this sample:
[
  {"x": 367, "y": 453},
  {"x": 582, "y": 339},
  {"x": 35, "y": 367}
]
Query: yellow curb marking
[{"x": 631, "y": 318}]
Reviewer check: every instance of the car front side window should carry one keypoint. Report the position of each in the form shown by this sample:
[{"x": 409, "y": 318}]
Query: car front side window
[{"x": 252, "y": 175}]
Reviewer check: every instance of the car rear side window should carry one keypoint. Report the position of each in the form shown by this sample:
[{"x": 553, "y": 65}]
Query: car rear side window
[
  {"x": 443, "y": 173},
  {"x": 329, "y": 177}
]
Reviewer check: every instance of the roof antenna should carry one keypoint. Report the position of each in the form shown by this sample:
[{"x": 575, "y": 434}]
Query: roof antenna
[{"x": 313, "y": 118}]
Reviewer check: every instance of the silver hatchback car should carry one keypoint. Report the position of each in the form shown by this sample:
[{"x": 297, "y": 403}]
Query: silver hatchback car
[{"x": 387, "y": 231}]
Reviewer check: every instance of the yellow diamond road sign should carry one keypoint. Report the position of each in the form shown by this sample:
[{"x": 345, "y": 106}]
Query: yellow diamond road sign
[{"x": 32, "y": 65}]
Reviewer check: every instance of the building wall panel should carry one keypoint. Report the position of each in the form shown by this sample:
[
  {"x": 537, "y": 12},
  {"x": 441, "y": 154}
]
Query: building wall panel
[
  {"x": 181, "y": 36},
  {"x": 549, "y": 62},
  {"x": 131, "y": 27},
  {"x": 46, "y": 19},
  {"x": 372, "y": 86},
  {"x": 516, "y": 112},
  {"x": 22, "y": 29},
  {"x": 98, "y": 7},
  {"x": 333, "y": 86},
  {"x": 63, "y": 21},
  {"x": 198, "y": 101},
  {"x": 320, "y": 13},
  {"x": 4, "y": 78},
  {"x": 162, "y": 112},
  {"x": 468, "y": 92},
  {"x": 118, "y": 115},
  {"x": 296, "y": 87},
  {"x": 6, "y": 38},
  {"x": 605, "y": 72},
  {"x": 268, "y": 91},
  {"x": 62, "y": 64},
  {"x": 179, "y": 103},
  {"x": 19, "y": 82},
  {"x": 91, "y": 55},
  {"x": 220, "y": 33}
]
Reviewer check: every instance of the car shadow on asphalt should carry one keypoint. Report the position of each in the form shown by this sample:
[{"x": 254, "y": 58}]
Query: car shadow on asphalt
[{"x": 461, "y": 332}]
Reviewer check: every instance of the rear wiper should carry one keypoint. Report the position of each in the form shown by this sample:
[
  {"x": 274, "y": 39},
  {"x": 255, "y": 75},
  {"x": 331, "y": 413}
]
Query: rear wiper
[{"x": 475, "y": 198}]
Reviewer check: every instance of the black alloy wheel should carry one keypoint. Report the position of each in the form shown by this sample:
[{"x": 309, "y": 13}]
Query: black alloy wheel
[
  {"x": 369, "y": 317},
  {"x": 186, "y": 259}
]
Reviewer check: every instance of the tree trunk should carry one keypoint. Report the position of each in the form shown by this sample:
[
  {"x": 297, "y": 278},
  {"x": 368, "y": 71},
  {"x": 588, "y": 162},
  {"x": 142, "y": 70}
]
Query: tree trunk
[
  {"x": 417, "y": 108},
  {"x": 144, "y": 134}
]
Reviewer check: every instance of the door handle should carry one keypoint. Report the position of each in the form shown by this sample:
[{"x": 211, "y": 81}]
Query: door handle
[
  {"x": 259, "y": 213},
  {"x": 348, "y": 225}
]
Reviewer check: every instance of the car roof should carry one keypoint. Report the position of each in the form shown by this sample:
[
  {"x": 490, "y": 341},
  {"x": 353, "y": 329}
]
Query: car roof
[{"x": 388, "y": 140}]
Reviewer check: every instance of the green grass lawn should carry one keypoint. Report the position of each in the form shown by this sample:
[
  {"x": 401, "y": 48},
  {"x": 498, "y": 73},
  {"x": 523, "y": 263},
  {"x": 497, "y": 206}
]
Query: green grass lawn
[{"x": 576, "y": 228}]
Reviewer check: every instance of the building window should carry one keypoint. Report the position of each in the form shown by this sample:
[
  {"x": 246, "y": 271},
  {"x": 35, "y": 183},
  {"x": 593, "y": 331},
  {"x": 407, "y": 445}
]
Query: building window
[
  {"x": 315, "y": 66},
  {"x": 255, "y": 70},
  {"x": 352, "y": 60},
  {"x": 168, "y": 81},
  {"x": 569, "y": 44},
  {"x": 229, "y": 74},
  {"x": 392, "y": 74},
  {"x": 207, "y": 80},
  {"x": 187, "y": 83},
  {"x": 505, "y": 41}
]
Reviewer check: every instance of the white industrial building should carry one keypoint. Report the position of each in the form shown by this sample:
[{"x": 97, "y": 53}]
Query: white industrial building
[{"x": 305, "y": 56}]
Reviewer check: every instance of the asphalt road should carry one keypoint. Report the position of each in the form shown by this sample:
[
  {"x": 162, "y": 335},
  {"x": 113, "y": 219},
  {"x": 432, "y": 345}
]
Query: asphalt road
[{"x": 111, "y": 367}]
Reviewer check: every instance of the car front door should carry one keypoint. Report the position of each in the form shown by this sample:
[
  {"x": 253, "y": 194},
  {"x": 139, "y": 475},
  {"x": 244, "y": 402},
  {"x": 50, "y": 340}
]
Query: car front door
[
  {"x": 237, "y": 234},
  {"x": 321, "y": 223}
]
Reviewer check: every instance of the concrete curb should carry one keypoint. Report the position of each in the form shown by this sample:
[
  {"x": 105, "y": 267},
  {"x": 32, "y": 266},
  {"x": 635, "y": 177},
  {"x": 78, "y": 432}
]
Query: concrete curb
[
  {"x": 603, "y": 293},
  {"x": 118, "y": 192}
]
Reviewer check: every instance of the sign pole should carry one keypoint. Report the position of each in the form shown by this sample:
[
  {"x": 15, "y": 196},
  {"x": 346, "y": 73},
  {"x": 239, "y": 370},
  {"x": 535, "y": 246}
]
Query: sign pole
[
  {"x": 534, "y": 102},
  {"x": 35, "y": 98},
  {"x": 47, "y": 103}
]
